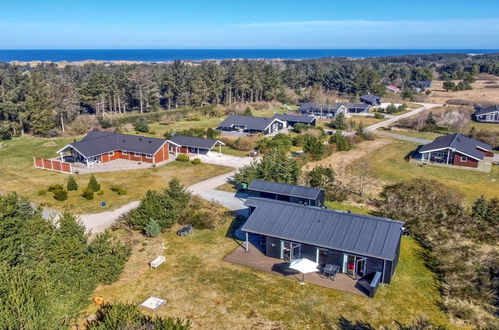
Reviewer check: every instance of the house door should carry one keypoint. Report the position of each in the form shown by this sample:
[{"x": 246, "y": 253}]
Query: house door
[
  {"x": 354, "y": 266},
  {"x": 321, "y": 257},
  {"x": 360, "y": 267},
  {"x": 290, "y": 251}
]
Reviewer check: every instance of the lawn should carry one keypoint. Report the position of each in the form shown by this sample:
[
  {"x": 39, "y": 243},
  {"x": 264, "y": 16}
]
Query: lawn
[
  {"x": 201, "y": 122},
  {"x": 481, "y": 126},
  {"x": 366, "y": 121},
  {"x": 215, "y": 294},
  {"x": 18, "y": 174},
  {"x": 388, "y": 164}
]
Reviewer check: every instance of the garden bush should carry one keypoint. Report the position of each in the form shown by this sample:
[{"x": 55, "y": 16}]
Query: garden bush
[
  {"x": 183, "y": 158},
  {"x": 60, "y": 195},
  {"x": 88, "y": 194},
  {"x": 152, "y": 229},
  {"x": 141, "y": 125},
  {"x": 378, "y": 115},
  {"x": 196, "y": 161},
  {"x": 42, "y": 192},
  {"x": 71, "y": 184},
  {"x": 119, "y": 190},
  {"x": 100, "y": 192},
  {"x": 54, "y": 187},
  {"x": 93, "y": 184}
]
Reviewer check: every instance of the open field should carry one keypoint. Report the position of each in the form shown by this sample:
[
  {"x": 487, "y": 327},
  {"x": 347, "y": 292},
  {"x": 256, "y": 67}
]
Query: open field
[
  {"x": 366, "y": 121},
  {"x": 388, "y": 164},
  {"x": 482, "y": 91},
  {"x": 215, "y": 294},
  {"x": 416, "y": 134},
  {"x": 18, "y": 174}
]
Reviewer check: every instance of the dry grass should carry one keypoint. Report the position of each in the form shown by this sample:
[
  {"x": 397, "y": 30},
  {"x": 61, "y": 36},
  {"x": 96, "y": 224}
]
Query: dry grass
[
  {"x": 214, "y": 294},
  {"x": 366, "y": 121},
  {"x": 18, "y": 174},
  {"x": 480, "y": 94}
]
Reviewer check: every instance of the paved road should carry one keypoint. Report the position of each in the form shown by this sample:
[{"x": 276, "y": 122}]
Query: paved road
[
  {"x": 403, "y": 137},
  {"x": 210, "y": 184},
  {"x": 424, "y": 106}
]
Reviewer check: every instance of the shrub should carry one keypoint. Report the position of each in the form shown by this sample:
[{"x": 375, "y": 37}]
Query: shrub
[
  {"x": 196, "y": 161},
  {"x": 93, "y": 184},
  {"x": 88, "y": 194},
  {"x": 60, "y": 195},
  {"x": 141, "y": 125},
  {"x": 71, "y": 184},
  {"x": 119, "y": 190},
  {"x": 378, "y": 115},
  {"x": 105, "y": 122},
  {"x": 100, "y": 192},
  {"x": 152, "y": 229},
  {"x": 42, "y": 192},
  {"x": 183, "y": 158},
  {"x": 54, "y": 187}
]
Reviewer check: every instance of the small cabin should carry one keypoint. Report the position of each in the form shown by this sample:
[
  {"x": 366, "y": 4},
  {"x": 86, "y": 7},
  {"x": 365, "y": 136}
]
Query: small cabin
[{"x": 287, "y": 192}]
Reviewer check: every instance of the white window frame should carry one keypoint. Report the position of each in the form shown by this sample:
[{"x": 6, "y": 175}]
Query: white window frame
[
  {"x": 111, "y": 153},
  {"x": 148, "y": 156},
  {"x": 464, "y": 159},
  {"x": 137, "y": 154},
  {"x": 124, "y": 153}
]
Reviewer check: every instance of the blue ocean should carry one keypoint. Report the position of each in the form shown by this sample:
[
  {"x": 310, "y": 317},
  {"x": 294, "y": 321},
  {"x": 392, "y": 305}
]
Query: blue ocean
[{"x": 164, "y": 55}]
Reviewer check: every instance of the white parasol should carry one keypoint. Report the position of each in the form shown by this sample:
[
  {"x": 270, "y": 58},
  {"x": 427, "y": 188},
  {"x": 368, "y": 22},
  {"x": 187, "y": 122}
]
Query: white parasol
[{"x": 304, "y": 266}]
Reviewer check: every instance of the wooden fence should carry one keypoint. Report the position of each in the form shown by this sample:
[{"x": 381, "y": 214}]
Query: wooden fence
[{"x": 53, "y": 165}]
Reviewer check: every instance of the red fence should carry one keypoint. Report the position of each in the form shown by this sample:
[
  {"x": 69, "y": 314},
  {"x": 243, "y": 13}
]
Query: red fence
[{"x": 53, "y": 165}]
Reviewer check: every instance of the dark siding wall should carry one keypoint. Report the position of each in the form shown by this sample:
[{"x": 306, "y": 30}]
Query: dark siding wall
[
  {"x": 273, "y": 247},
  {"x": 308, "y": 251},
  {"x": 387, "y": 276},
  {"x": 320, "y": 199}
]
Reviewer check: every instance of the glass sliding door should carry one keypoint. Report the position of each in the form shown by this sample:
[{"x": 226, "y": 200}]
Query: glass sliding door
[
  {"x": 354, "y": 266},
  {"x": 290, "y": 251}
]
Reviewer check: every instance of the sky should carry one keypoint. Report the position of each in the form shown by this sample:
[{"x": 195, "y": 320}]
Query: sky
[{"x": 273, "y": 24}]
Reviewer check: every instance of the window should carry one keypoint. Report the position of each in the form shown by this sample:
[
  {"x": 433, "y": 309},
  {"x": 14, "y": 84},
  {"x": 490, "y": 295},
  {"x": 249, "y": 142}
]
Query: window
[
  {"x": 111, "y": 153},
  {"x": 464, "y": 159},
  {"x": 136, "y": 154},
  {"x": 148, "y": 156},
  {"x": 124, "y": 153}
]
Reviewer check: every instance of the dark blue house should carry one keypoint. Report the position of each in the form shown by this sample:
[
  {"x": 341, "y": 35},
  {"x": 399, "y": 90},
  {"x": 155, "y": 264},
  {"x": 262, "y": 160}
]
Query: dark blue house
[
  {"x": 361, "y": 246},
  {"x": 287, "y": 192}
]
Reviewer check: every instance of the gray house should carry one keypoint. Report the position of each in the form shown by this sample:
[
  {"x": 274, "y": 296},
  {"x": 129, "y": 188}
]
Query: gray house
[
  {"x": 371, "y": 99},
  {"x": 329, "y": 111},
  {"x": 362, "y": 246},
  {"x": 251, "y": 124},
  {"x": 287, "y": 192},
  {"x": 487, "y": 114},
  {"x": 291, "y": 120}
]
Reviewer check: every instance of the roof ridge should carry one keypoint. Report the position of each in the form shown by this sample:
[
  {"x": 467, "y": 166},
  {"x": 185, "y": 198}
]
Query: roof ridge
[{"x": 296, "y": 205}]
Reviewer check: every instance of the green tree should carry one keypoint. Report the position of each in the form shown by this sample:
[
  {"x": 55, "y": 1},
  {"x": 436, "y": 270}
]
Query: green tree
[
  {"x": 152, "y": 229},
  {"x": 39, "y": 106},
  {"x": 339, "y": 122},
  {"x": 141, "y": 125},
  {"x": 275, "y": 165},
  {"x": 93, "y": 184},
  {"x": 108, "y": 257},
  {"x": 314, "y": 147},
  {"x": 247, "y": 112},
  {"x": 321, "y": 177},
  {"x": 71, "y": 184},
  {"x": 449, "y": 85},
  {"x": 128, "y": 316},
  {"x": 342, "y": 142}
]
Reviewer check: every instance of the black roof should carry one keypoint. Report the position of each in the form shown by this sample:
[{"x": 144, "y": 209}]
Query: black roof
[
  {"x": 194, "y": 142},
  {"x": 485, "y": 110},
  {"x": 295, "y": 118},
  {"x": 349, "y": 232},
  {"x": 97, "y": 143},
  {"x": 371, "y": 98},
  {"x": 249, "y": 122},
  {"x": 421, "y": 83},
  {"x": 284, "y": 189},
  {"x": 356, "y": 105},
  {"x": 317, "y": 107},
  {"x": 459, "y": 142}
]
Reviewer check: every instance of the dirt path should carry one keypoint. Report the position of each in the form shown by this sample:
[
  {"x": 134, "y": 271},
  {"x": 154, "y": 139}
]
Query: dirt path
[{"x": 424, "y": 107}]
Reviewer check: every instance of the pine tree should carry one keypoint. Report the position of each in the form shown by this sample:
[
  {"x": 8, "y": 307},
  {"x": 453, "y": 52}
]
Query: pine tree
[
  {"x": 93, "y": 184},
  {"x": 152, "y": 228},
  {"x": 71, "y": 184}
]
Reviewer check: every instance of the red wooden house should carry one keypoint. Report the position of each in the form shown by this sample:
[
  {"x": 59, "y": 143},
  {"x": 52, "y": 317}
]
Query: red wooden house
[
  {"x": 455, "y": 149},
  {"x": 103, "y": 147}
]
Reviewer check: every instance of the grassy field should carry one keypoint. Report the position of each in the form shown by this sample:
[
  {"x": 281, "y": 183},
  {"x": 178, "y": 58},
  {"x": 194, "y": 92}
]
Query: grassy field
[
  {"x": 416, "y": 134},
  {"x": 18, "y": 174},
  {"x": 388, "y": 164},
  {"x": 481, "y": 126},
  {"x": 366, "y": 121},
  {"x": 214, "y": 294}
]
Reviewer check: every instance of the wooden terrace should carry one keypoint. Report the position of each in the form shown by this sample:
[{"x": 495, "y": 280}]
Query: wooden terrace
[{"x": 255, "y": 259}]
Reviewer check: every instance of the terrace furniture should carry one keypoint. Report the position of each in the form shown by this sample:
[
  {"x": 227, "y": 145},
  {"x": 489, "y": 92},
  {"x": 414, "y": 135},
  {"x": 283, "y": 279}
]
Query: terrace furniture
[
  {"x": 330, "y": 271},
  {"x": 185, "y": 230},
  {"x": 157, "y": 262}
]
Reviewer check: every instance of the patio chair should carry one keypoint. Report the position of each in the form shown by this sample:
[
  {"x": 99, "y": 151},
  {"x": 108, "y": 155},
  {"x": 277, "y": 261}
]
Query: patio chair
[
  {"x": 185, "y": 230},
  {"x": 330, "y": 271}
]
